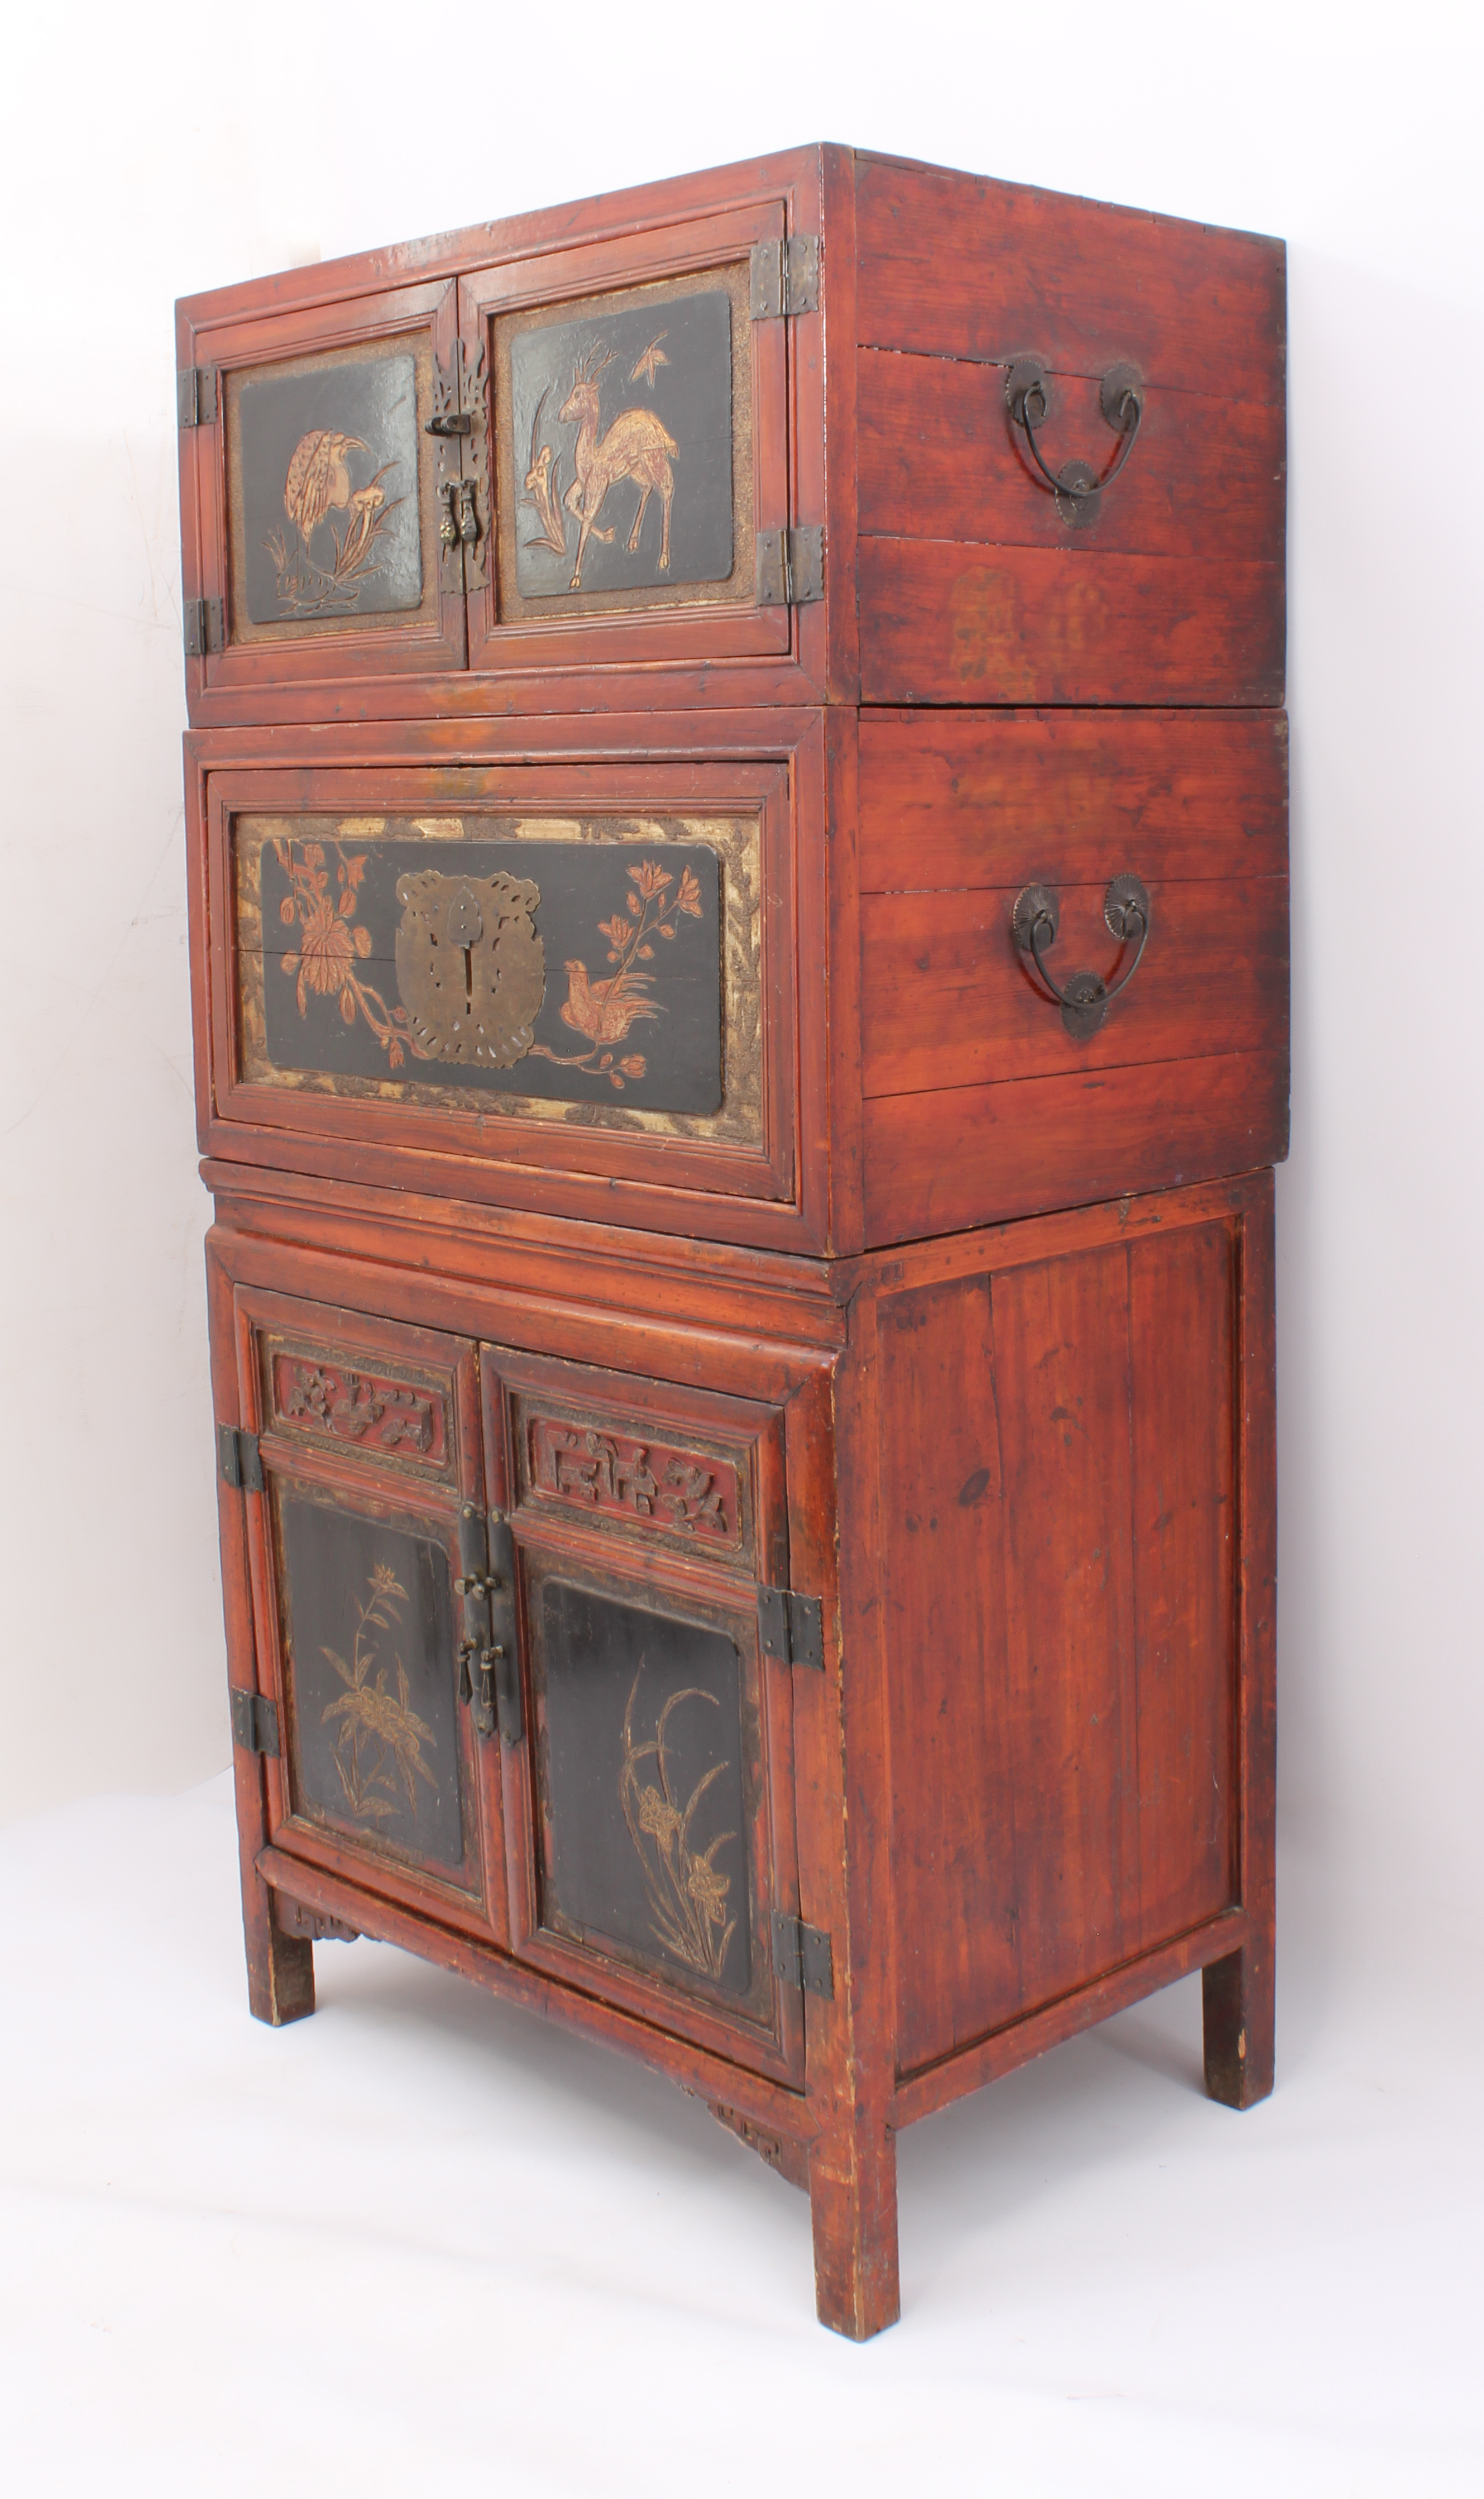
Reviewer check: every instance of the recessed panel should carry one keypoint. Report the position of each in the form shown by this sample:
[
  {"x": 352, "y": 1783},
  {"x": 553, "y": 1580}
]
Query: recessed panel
[
  {"x": 330, "y": 492},
  {"x": 374, "y": 1737},
  {"x": 604, "y": 970},
  {"x": 643, "y": 1786},
  {"x": 624, "y": 449}
]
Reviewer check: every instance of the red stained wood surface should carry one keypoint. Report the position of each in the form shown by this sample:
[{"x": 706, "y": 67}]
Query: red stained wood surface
[
  {"x": 1058, "y": 1521},
  {"x": 945, "y": 623},
  {"x": 1025, "y": 1471},
  {"x": 996, "y": 799},
  {"x": 957, "y": 265},
  {"x": 953, "y": 1002},
  {"x": 938, "y": 1161},
  {"x": 938, "y": 456}
]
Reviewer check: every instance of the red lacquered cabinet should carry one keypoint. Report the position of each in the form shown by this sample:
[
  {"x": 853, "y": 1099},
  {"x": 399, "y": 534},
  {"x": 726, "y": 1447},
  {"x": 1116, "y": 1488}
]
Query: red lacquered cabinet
[{"x": 736, "y": 803}]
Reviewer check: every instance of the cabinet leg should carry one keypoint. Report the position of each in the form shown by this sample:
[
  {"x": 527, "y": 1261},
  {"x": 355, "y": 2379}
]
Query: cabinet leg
[
  {"x": 1237, "y": 2006},
  {"x": 281, "y": 1967},
  {"x": 852, "y": 2206}
]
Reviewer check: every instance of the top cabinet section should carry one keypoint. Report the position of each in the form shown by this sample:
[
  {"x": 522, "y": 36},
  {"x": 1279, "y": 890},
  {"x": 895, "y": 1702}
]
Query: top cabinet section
[{"x": 822, "y": 427}]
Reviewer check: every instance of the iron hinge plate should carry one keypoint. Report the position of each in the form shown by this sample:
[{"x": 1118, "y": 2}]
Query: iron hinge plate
[
  {"x": 784, "y": 278},
  {"x": 206, "y": 627},
  {"x": 790, "y": 1627},
  {"x": 802, "y": 1957},
  {"x": 196, "y": 395},
  {"x": 254, "y": 1723},
  {"x": 791, "y": 568},
  {"x": 240, "y": 1458}
]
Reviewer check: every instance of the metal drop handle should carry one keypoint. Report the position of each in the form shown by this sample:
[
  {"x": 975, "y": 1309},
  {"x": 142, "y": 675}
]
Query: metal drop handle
[
  {"x": 1086, "y": 997},
  {"x": 1078, "y": 490}
]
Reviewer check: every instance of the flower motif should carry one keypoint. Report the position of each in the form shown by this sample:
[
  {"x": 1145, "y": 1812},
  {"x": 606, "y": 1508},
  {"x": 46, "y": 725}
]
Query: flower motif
[
  {"x": 652, "y": 879},
  {"x": 689, "y": 898},
  {"x": 708, "y": 1889},
  {"x": 659, "y": 1819},
  {"x": 633, "y": 1066}
]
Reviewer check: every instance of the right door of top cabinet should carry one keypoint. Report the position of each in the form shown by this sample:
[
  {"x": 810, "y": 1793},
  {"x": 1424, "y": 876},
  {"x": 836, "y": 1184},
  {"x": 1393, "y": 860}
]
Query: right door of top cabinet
[{"x": 819, "y": 428}]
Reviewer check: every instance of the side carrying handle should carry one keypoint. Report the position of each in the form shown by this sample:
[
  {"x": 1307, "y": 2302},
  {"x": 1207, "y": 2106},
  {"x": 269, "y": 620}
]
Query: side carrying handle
[
  {"x": 1078, "y": 490},
  {"x": 1086, "y": 998}
]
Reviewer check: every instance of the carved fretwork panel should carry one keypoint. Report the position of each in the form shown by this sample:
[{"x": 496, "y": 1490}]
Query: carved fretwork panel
[
  {"x": 336, "y": 1400},
  {"x": 688, "y": 1492}
]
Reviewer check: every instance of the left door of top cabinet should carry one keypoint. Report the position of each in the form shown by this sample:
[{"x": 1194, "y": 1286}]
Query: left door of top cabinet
[{"x": 330, "y": 519}]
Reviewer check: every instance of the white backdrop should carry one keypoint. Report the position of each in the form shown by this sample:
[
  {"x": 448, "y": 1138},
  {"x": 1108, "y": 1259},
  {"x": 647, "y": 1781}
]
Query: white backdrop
[
  {"x": 1111, "y": 2286},
  {"x": 160, "y": 149}
]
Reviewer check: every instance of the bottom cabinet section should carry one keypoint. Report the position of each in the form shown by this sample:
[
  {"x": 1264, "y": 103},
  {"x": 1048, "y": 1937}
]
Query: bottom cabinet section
[
  {"x": 507, "y": 1670},
  {"x": 750, "y": 1657}
]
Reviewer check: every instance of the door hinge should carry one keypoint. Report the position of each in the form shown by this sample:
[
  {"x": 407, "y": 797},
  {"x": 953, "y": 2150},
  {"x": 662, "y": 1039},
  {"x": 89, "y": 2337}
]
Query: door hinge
[
  {"x": 803, "y": 1955},
  {"x": 196, "y": 395},
  {"x": 206, "y": 627},
  {"x": 488, "y": 1659},
  {"x": 240, "y": 1458},
  {"x": 785, "y": 277},
  {"x": 791, "y": 568},
  {"x": 790, "y": 1627},
  {"x": 254, "y": 1723}
]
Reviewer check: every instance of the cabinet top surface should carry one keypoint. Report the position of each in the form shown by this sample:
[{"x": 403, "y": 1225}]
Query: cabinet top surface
[{"x": 800, "y": 171}]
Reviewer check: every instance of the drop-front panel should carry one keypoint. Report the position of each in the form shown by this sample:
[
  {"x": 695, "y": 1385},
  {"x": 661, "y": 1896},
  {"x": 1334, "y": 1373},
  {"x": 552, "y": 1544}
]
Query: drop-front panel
[{"x": 766, "y": 988}]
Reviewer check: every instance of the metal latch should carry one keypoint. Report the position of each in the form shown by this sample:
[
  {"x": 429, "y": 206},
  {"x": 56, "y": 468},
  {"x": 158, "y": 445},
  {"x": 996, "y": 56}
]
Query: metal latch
[
  {"x": 196, "y": 395},
  {"x": 489, "y": 1664},
  {"x": 803, "y": 1955},
  {"x": 790, "y": 1627},
  {"x": 240, "y": 1458},
  {"x": 254, "y": 1723},
  {"x": 791, "y": 568},
  {"x": 784, "y": 278},
  {"x": 205, "y": 627}
]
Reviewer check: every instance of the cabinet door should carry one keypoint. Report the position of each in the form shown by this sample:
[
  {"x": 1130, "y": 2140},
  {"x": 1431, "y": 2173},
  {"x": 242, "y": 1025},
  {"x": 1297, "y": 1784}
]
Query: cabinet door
[
  {"x": 648, "y": 1786},
  {"x": 369, "y": 1435},
  {"x": 315, "y": 493},
  {"x": 639, "y": 442}
]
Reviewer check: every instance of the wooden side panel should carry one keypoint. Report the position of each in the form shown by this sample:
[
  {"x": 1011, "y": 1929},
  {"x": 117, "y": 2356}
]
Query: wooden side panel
[
  {"x": 985, "y": 798},
  {"x": 936, "y": 1162},
  {"x": 952, "y": 1001},
  {"x": 979, "y": 1105},
  {"x": 945, "y": 622},
  {"x": 937, "y": 457},
  {"x": 1059, "y": 1496},
  {"x": 974, "y": 586},
  {"x": 954, "y": 265}
]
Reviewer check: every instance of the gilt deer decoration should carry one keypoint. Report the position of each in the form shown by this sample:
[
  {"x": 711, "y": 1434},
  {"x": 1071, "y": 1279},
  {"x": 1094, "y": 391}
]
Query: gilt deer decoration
[{"x": 636, "y": 445}]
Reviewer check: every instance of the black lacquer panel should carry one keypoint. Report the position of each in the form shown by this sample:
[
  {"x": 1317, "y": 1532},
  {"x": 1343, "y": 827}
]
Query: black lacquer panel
[
  {"x": 570, "y": 971},
  {"x": 374, "y": 1732},
  {"x": 329, "y": 492},
  {"x": 642, "y": 1784},
  {"x": 625, "y": 420}
]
